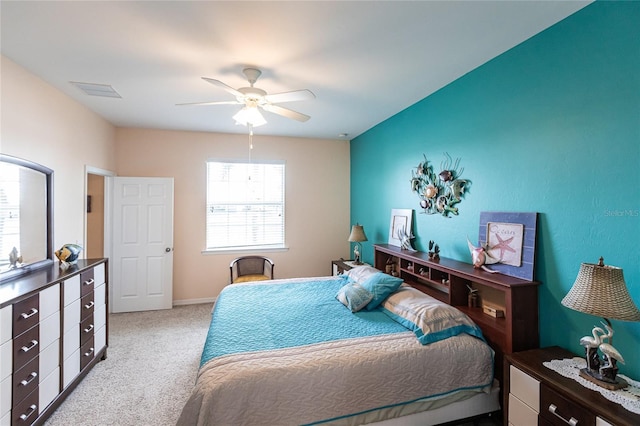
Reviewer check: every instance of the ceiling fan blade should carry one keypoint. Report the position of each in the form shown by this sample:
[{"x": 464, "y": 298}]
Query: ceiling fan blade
[
  {"x": 220, "y": 84},
  {"x": 285, "y": 112},
  {"x": 296, "y": 95},
  {"x": 212, "y": 103}
]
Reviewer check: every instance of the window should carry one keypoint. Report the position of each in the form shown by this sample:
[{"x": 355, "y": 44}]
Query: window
[{"x": 245, "y": 205}]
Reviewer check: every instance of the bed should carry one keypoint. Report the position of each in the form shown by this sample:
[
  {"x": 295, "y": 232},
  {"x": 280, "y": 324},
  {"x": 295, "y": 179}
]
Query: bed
[{"x": 341, "y": 351}]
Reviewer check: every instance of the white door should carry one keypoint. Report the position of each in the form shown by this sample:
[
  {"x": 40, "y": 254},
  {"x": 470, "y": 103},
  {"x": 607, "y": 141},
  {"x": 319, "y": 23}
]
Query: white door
[{"x": 142, "y": 256}]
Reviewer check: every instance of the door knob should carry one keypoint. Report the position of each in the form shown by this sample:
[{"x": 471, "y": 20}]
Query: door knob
[{"x": 168, "y": 249}]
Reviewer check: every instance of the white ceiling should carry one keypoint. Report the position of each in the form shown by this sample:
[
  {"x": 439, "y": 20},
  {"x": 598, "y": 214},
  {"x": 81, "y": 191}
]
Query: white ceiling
[{"x": 365, "y": 61}]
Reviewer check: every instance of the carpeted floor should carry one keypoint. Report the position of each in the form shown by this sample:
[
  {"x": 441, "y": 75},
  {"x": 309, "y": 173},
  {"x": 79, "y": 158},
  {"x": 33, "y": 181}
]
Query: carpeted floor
[{"x": 151, "y": 366}]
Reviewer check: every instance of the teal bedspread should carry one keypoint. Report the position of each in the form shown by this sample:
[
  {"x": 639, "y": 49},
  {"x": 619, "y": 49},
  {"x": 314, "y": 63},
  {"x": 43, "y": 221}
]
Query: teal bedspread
[{"x": 258, "y": 317}]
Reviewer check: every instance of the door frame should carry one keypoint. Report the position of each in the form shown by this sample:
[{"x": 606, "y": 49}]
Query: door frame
[{"x": 108, "y": 220}]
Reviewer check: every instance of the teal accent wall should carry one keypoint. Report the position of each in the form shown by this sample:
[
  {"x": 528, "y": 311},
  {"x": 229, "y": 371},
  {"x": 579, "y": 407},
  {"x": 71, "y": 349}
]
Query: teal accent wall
[{"x": 551, "y": 126}]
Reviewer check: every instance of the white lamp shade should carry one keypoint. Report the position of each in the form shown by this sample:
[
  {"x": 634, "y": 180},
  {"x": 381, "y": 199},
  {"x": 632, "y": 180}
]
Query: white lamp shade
[{"x": 249, "y": 116}]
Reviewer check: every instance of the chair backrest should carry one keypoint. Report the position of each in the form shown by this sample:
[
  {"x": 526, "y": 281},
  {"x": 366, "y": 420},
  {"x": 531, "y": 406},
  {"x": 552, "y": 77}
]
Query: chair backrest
[{"x": 251, "y": 265}]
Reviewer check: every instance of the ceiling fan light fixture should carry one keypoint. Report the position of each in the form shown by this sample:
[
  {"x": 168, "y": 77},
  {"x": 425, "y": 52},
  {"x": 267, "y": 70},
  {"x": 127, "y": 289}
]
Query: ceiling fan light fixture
[{"x": 249, "y": 116}]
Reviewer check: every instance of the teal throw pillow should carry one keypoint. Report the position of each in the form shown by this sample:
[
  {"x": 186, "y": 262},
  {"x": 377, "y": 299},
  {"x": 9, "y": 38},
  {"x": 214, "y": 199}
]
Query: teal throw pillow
[{"x": 381, "y": 285}]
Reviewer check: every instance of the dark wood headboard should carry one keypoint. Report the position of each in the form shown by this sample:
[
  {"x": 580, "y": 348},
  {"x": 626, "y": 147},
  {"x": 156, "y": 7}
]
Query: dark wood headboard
[{"x": 515, "y": 301}]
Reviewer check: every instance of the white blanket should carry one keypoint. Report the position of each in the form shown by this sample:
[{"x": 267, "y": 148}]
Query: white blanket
[{"x": 336, "y": 379}]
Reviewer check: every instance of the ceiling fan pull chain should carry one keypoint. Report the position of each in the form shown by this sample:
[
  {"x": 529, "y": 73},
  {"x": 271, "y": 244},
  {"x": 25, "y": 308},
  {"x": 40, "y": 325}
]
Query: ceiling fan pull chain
[{"x": 250, "y": 142}]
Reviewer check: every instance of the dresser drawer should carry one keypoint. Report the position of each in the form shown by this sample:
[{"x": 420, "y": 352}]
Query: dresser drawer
[
  {"x": 100, "y": 338},
  {"x": 100, "y": 313},
  {"x": 71, "y": 341},
  {"x": 26, "y": 411},
  {"x": 25, "y": 347},
  {"x": 520, "y": 414},
  {"x": 87, "y": 352},
  {"x": 525, "y": 388},
  {"x": 48, "y": 389},
  {"x": 560, "y": 411},
  {"x": 100, "y": 316},
  {"x": 87, "y": 304},
  {"x": 6, "y": 321},
  {"x": 99, "y": 274},
  {"x": 49, "y": 301},
  {"x": 26, "y": 380},
  {"x": 26, "y": 314},
  {"x": 6, "y": 359},
  {"x": 86, "y": 329},
  {"x": 49, "y": 359},
  {"x": 86, "y": 282},
  {"x": 49, "y": 330},
  {"x": 71, "y": 368},
  {"x": 71, "y": 315},
  {"x": 5, "y": 399},
  {"x": 71, "y": 289}
]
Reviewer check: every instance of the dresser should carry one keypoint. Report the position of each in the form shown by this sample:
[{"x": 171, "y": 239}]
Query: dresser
[
  {"x": 536, "y": 395},
  {"x": 53, "y": 330}
]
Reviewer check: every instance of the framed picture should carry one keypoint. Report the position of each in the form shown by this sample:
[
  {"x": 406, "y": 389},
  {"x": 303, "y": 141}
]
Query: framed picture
[
  {"x": 401, "y": 220},
  {"x": 511, "y": 238}
]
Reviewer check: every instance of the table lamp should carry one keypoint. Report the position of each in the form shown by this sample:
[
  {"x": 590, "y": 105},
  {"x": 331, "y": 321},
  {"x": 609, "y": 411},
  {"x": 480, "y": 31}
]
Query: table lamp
[
  {"x": 357, "y": 235},
  {"x": 600, "y": 290}
]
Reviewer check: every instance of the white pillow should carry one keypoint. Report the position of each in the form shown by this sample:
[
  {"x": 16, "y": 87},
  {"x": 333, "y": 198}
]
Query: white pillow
[
  {"x": 360, "y": 273},
  {"x": 430, "y": 319},
  {"x": 354, "y": 296}
]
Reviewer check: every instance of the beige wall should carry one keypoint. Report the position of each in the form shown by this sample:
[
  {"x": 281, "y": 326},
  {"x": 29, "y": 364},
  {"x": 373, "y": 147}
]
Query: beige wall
[
  {"x": 317, "y": 199},
  {"x": 41, "y": 124}
]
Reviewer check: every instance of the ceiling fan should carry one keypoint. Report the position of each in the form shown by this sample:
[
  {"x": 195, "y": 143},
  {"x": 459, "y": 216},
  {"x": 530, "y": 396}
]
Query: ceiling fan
[{"x": 253, "y": 98}]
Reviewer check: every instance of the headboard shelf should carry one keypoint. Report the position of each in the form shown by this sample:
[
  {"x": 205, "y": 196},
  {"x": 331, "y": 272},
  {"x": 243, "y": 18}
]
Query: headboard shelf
[{"x": 449, "y": 280}]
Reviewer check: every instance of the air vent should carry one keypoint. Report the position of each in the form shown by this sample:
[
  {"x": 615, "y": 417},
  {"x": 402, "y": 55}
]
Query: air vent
[{"x": 92, "y": 89}]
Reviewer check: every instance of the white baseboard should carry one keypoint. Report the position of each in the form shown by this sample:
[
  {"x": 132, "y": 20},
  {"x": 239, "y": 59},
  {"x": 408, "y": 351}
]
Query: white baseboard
[{"x": 194, "y": 301}]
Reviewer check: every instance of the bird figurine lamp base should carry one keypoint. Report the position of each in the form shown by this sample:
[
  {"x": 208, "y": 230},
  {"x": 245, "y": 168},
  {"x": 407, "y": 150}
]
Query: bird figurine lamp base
[
  {"x": 602, "y": 381},
  {"x": 602, "y": 370},
  {"x": 357, "y": 249}
]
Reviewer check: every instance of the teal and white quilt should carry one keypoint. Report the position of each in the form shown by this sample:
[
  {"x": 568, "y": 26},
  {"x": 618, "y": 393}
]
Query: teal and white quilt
[{"x": 287, "y": 352}]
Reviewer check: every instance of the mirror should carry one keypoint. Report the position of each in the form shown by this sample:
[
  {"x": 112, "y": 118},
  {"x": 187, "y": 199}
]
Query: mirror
[{"x": 26, "y": 216}]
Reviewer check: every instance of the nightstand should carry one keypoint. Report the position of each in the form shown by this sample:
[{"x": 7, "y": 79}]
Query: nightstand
[
  {"x": 338, "y": 267},
  {"x": 537, "y": 395}
]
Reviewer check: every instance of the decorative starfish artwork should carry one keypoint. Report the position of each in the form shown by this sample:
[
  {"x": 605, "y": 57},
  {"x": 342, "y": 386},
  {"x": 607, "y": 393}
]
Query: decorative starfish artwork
[
  {"x": 503, "y": 245},
  {"x": 505, "y": 242}
]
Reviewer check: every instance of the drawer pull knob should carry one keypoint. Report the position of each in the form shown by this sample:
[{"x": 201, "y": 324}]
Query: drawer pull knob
[
  {"x": 88, "y": 329},
  {"x": 88, "y": 282},
  {"x": 89, "y": 305},
  {"x": 572, "y": 422},
  {"x": 31, "y": 313},
  {"x": 89, "y": 352},
  {"x": 33, "y": 344},
  {"x": 32, "y": 409},
  {"x": 32, "y": 376}
]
